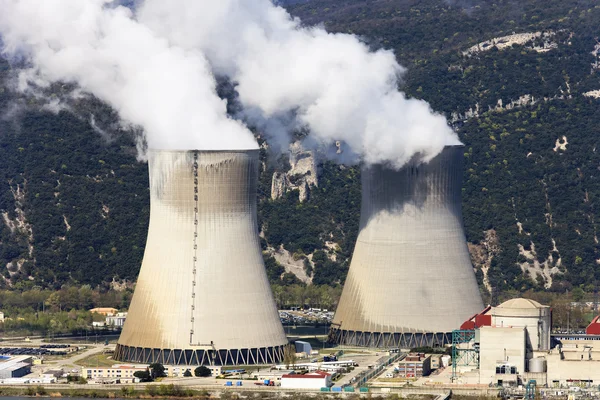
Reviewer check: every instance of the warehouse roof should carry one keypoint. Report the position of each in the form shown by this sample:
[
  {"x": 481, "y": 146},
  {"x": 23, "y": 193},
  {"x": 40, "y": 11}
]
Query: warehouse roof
[{"x": 13, "y": 367}]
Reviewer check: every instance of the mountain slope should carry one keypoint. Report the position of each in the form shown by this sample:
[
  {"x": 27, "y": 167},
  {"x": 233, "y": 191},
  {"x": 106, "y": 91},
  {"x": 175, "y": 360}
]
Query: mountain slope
[{"x": 517, "y": 81}]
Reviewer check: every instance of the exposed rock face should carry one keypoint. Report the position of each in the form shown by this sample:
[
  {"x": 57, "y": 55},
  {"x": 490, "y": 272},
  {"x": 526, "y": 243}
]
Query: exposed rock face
[
  {"x": 19, "y": 225},
  {"x": 593, "y": 93},
  {"x": 506, "y": 42},
  {"x": 545, "y": 269},
  {"x": 296, "y": 267},
  {"x": 561, "y": 144},
  {"x": 301, "y": 176},
  {"x": 483, "y": 253},
  {"x": 279, "y": 185}
]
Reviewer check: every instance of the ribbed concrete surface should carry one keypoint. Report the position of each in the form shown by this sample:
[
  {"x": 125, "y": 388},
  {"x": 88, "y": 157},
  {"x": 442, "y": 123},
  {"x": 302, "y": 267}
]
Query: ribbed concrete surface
[
  {"x": 202, "y": 278},
  {"x": 410, "y": 271}
]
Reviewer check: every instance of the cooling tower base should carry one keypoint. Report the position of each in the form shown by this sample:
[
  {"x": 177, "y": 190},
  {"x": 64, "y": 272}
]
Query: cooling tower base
[
  {"x": 263, "y": 355},
  {"x": 388, "y": 340}
]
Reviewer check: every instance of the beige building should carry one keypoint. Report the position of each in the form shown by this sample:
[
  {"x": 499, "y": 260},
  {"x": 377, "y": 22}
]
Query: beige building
[
  {"x": 125, "y": 372},
  {"x": 529, "y": 314},
  {"x": 574, "y": 363},
  {"x": 502, "y": 354},
  {"x": 122, "y": 373},
  {"x": 106, "y": 311},
  {"x": 436, "y": 361}
]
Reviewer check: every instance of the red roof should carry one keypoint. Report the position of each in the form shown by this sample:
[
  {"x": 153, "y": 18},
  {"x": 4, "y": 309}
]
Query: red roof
[
  {"x": 310, "y": 375},
  {"x": 594, "y": 327},
  {"x": 478, "y": 320}
]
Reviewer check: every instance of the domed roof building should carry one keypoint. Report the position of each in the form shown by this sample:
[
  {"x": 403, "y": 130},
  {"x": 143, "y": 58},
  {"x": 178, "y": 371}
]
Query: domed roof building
[
  {"x": 529, "y": 314},
  {"x": 518, "y": 313}
]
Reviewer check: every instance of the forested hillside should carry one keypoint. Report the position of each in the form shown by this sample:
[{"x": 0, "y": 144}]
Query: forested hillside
[{"x": 519, "y": 81}]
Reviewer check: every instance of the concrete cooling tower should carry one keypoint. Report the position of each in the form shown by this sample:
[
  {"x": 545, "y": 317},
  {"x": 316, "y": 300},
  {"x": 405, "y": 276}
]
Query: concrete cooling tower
[
  {"x": 410, "y": 281},
  {"x": 202, "y": 296}
]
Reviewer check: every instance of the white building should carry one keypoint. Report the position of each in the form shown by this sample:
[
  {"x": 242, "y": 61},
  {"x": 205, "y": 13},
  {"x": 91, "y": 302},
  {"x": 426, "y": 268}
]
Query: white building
[
  {"x": 1, "y": 316},
  {"x": 311, "y": 380},
  {"x": 116, "y": 320}
]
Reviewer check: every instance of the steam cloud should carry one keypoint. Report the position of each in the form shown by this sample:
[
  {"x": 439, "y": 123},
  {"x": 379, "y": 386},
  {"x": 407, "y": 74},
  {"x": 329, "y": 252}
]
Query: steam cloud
[
  {"x": 156, "y": 68},
  {"x": 167, "y": 90}
]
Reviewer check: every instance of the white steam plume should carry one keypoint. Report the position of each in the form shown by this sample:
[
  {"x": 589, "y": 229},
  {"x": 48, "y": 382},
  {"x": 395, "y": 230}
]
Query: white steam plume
[
  {"x": 166, "y": 89},
  {"x": 332, "y": 83}
]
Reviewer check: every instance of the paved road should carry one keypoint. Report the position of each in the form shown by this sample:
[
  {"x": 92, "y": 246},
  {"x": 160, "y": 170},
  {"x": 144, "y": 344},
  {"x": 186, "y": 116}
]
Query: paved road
[{"x": 70, "y": 363}]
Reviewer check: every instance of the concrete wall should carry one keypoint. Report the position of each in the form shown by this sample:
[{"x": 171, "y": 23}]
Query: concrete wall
[
  {"x": 305, "y": 383},
  {"x": 202, "y": 284},
  {"x": 411, "y": 270},
  {"x": 561, "y": 371},
  {"x": 538, "y": 328},
  {"x": 498, "y": 346}
]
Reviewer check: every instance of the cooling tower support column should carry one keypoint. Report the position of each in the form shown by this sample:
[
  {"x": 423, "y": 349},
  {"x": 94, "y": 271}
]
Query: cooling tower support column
[
  {"x": 411, "y": 282},
  {"x": 202, "y": 297}
]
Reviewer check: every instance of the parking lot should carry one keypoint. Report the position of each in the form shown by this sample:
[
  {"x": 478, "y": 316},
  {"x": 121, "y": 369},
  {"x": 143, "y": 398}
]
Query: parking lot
[
  {"x": 310, "y": 316},
  {"x": 43, "y": 350}
]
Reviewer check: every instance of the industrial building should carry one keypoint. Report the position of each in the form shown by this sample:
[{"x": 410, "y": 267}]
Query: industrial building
[
  {"x": 414, "y": 365},
  {"x": 310, "y": 380},
  {"x": 303, "y": 349},
  {"x": 16, "y": 367},
  {"x": 122, "y": 373},
  {"x": 518, "y": 313},
  {"x": 503, "y": 354},
  {"x": 411, "y": 281},
  {"x": 117, "y": 320},
  {"x": 511, "y": 345},
  {"x": 202, "y": 296}
]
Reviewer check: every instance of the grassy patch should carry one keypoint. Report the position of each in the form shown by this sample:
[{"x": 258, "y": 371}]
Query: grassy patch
[{"x": 97, "y": 360}]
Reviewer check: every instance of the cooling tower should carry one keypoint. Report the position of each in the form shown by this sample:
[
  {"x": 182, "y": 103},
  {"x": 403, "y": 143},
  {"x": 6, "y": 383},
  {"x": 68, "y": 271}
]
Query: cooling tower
[
  {"x": 411, "y": 281},
  {"x": 202, "y": 296}
]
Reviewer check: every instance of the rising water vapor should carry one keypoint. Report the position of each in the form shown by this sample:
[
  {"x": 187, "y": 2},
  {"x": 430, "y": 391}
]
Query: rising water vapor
[
  {"x": 168, "y": 90},
  {"x": 156, "y": 67},
  {"x": 332, "y": 83}
]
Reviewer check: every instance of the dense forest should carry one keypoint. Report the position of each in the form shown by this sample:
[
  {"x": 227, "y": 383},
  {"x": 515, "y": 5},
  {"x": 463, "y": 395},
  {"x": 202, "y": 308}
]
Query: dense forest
[{"x": 517, "y": 80}]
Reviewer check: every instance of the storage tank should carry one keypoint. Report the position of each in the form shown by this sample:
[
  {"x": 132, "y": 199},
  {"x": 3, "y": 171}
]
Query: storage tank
[
  {"x": 410, "y": 282},
  {"x": 202, "y": 296},
  {"x": 537, "y": 365}
]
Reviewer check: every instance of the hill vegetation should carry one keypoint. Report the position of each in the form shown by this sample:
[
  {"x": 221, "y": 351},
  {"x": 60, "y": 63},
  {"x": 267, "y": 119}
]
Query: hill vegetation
[{"x": 516, "y": 79}]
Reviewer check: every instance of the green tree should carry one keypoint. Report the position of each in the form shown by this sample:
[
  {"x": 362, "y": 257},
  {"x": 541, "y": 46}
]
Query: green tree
[
  {"x": 157, "y": 370},
  {"x": 202, "y": 372},
  {"x": 143, "y": 376},
  {"x": 578, "y": 294}
]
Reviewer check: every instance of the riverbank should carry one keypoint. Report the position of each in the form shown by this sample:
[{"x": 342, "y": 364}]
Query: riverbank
[{"x": 173, "y": 391}]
